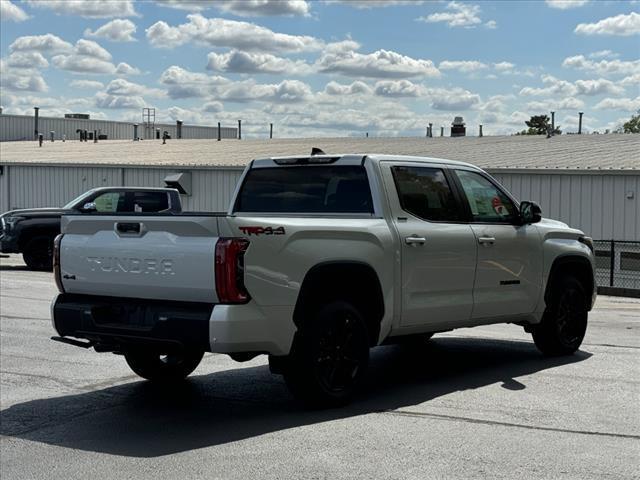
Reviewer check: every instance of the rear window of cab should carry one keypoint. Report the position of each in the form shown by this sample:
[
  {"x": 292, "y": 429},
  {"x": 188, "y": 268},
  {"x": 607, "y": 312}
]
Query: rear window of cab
[{"x": 306, "y": 189}]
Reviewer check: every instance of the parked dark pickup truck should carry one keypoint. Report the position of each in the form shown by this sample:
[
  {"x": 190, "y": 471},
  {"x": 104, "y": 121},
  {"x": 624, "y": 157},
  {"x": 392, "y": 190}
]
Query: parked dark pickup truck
[{"x": 32, "y": 231}]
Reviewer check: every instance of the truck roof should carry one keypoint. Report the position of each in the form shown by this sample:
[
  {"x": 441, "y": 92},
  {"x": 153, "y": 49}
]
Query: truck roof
[{"x": 350, "y": 159}]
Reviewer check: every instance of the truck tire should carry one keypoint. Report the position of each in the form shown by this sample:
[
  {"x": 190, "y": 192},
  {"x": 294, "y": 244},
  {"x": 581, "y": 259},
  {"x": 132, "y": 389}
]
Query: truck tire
[
  {"x": 564, "y": 322},
  {"x": 329, "y": 356},
  {"x": 163, "y": 368},
  {"x": 38, "y": 253}
]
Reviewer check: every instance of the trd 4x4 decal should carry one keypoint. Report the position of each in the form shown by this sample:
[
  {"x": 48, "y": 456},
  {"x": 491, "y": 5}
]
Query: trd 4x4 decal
[{"x": 262, "y": 230}]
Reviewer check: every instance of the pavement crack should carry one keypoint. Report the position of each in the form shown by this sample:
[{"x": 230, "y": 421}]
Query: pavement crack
[
  {"x": 436, "y": 416},
  {"x": 610, "y": 345}
]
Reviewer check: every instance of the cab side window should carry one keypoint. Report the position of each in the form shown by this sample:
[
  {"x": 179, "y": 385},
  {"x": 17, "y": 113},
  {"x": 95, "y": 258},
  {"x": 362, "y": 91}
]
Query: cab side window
[
  {"x": 426, "y": 193},
  {"x": 488, "y": 204},
  {"x": 110, "y": 202},
  {"x": 150, "y": 202}
]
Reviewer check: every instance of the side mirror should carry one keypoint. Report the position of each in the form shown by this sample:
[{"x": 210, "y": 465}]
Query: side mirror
[
  {"x": 89, "y": 207},
  {"x": 530, "y": 212}
]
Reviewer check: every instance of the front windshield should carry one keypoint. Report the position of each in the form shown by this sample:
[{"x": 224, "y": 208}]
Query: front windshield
[{"x": 77, "y": 199}]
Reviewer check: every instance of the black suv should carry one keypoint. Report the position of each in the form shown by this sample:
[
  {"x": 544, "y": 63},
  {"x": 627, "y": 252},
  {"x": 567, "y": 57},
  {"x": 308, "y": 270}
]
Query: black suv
[{"x": 32, "y": 231}]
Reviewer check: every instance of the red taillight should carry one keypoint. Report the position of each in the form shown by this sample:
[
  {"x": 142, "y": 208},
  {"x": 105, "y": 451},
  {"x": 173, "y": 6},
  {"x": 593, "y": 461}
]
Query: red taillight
[
  {"x": 57, "y": 272},
  {"x": 230, "y": 270}
]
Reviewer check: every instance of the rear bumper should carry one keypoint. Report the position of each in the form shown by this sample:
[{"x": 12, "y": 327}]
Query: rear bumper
[{"x": 122, "y": 324}]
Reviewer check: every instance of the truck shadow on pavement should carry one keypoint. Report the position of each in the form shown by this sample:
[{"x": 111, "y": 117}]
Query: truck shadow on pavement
[{"x": 139, "y": 419}]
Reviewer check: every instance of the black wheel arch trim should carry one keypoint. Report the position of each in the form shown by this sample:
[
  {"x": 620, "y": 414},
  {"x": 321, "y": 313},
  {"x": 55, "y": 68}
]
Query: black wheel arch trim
[
  {"x": 376, "y": 297},
  {"x": 571, "y": 260}
]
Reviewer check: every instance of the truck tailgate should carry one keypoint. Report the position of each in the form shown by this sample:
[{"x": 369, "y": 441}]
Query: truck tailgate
[{"x": 155, "y": 257}]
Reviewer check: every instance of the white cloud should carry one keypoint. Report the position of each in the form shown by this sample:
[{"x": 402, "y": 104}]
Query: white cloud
[
  {"x": 463, "y": 66},
  {"x": 456, "y": 99},
  {"x": 566, "y": 4},
  {"x": 568, "y": 103},
  {"x": 92, "y": 49},
  {"x": 604, "y": 54},
  {"x": 626, "y": 104},
  {"x": 246, "y": 62},
  {"x": 48, "y": 43},
  {"x": 630, "y": 80},
  {"x": 87, "y": 8},
  {"x": 379, "y": 64},
  {"x": 104, "y": 100},
  {"x": 182, "y": 83},
  {"x": 213, "y": 107},
  {"x": 245, "y": 8},
  {"x": 491, "y": 25},
  {"x": 284, "y": 92},
  {"x": 220, "y": 32},
  {"x": 20, "y": 79},
  {"x": 354, "y": 88},
  {"x": 22, "y": 104},
  {"x": 399, "y": 88},
  {"x": 89, "y": 57},
  {"x": 458, "y": 14},
  {"x": 29, "y": 82},
  {"x": 602, "y": 67},
  {"x": 82, "y": 64},
  {"x": 11, "y": 12},
  {"x": 87, "y": 84},
  {"x": 555, "y": 86},
  {"x": 124, "y": 68},
  {"x": 28, "y": 59},
  {"x": 622, "y": 25},
  {"x": 598, "y": 87},
  {"x": 117, "y": 30},
  {"x": 123, "y": 87},
  {"x": 503, "y": 66},
  {"x": 367, "y": 4}
]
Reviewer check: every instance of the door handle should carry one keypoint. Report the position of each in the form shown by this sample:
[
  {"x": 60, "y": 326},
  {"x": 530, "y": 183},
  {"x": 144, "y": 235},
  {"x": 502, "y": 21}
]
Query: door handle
[
  {"x": 129, "y": 228},
  {"x": 414, "y": 240},
  {"x": 486, "y": 240}
]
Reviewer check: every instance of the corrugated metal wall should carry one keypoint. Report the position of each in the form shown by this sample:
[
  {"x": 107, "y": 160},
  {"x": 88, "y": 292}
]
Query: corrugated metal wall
[
  {"x": 21, "y": 127},
  {"x": 28, "y": 186},
  {"x": 596, "y": 203}
]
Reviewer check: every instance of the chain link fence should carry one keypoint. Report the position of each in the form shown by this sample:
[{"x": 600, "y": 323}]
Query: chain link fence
[{"x": 618, "y": 267}]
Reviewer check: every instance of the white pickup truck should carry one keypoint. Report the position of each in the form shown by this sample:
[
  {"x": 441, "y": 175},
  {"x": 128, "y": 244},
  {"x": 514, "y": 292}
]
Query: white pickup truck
[{"x": 318, "y": 259}]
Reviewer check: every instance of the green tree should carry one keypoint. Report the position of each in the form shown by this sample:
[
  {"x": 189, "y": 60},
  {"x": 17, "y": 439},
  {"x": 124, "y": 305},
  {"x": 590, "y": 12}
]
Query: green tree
[
  {"x": 539, "y": 125},
  {"x": 633, "y": 125}
]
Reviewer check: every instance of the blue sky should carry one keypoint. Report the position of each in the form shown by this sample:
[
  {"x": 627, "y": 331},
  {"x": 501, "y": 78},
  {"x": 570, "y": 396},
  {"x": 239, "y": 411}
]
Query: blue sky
[{"x": 325, "y": 68}]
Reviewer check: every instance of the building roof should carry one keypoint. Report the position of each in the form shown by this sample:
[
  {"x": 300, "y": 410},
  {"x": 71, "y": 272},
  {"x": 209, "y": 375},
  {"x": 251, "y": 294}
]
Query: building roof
[{"x": 617, "y": 152}]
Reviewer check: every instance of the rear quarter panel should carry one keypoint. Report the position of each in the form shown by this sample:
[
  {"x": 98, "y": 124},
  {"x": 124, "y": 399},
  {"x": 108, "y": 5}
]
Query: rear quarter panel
[{"x": 276, "y": 264}]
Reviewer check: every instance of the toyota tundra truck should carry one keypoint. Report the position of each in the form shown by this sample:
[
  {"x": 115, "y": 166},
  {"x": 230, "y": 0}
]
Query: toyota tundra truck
[{"x": 318, "y": 259}]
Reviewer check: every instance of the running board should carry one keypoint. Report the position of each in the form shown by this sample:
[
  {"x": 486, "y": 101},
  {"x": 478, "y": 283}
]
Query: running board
[{"x": 75, "y": 343}]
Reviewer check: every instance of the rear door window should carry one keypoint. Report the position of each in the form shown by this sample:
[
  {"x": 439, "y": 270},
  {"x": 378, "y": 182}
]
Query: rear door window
[
  {"x": 306, "y": 189},
  {"x": 426, "y": 193},
  {"x": 150, "y": 202}
]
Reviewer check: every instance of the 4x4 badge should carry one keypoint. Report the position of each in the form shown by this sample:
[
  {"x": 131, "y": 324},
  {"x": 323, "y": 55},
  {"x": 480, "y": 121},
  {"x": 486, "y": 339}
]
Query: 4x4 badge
[{"x": 262, "y": 230}]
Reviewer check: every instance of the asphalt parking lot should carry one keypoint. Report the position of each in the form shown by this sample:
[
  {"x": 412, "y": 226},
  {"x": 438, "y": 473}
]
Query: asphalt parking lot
[{"x": 471, "y": 403}]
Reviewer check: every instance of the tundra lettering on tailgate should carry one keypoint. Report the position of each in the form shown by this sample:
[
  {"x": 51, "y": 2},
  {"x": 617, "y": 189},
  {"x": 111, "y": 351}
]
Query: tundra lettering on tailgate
[
  {"x": 132, "y": 265},
  {"x": 262, "y": 230}
]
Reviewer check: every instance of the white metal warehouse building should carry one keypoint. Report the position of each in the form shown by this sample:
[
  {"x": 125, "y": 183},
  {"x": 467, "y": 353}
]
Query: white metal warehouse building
[
  {"x": 23, "y": 127},
  {"x": 591, "y": 182}
]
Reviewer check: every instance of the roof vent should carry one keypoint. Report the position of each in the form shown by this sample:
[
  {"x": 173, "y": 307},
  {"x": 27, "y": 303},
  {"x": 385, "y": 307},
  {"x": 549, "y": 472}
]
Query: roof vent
[
  {"x": 317, "y": 151},
  {"x": 179, "y": 181}
]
